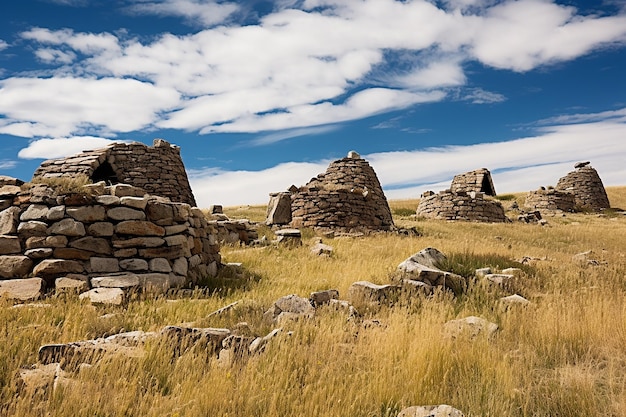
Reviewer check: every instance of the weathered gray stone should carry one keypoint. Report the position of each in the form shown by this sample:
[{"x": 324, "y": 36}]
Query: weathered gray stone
[
  {"x": 31, "y": 228},
  {"x": 181, "y": 266},
  {"x": 94, "y": 244},
  {"x": 135, "y": 202},
  {"x": 9, "y": 190},
  {"x": 67, "y": 227},
  {"x": 72, "y": 283},
  {"x": 9, "y": 245},
  {"x": 103, "y": 265},
  {"x": 134, "y": 264},
  {"x": 431, "y": 411},
  {"x": 35, "y": 212},
  {"x": 321, "y": 249},
  {"x": 86, "y": 214},
  {"x": 124, "y": 280},
  {"x": 176, "y": 229},
  {"x": 101, "y": 229},
  {"x": 319, "y": 298},
  {"x": 182, "y": 338},
  {"x": 158, "y": 282},
  {"x": 290, "y": 307},
  {"x": 57, "y": 267},
  {"x": 125, "y": 190},
  {"x": 39, "y": 253},
  {"x": 430, "y": 257},
  {"x": 22, "y": 289},
  {"x": 139, "y": 228},
  {"x": 279, "y": 209},
  {"x": 108, "y": 200},
  {"x": 159, "y": 265},
  {"x": 72, "y": 253},
  {"x": 417, "y": 287},
  {"x": 514, "y": 299},
  {"x": 56, "y": 213},
  {"x": 15, "y": 266},
  {"x": 113, "y": 296},
  {"x": 500, "y": 279},
  {"x": 160, "y": 213},
  {"x": 125, "y": 213},
  {"x": 469, "y": 328},
  {"x": 368, "y": 291},
  {"x": 138, "y": 242},
  {"x": 9, "y": 219},
  {"x": 170, "y": 252}
]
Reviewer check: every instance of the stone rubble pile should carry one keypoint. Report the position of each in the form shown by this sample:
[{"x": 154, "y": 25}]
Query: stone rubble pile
[
  {"x": 107, "y": 237},
  {"x": 550, "y": 200}
]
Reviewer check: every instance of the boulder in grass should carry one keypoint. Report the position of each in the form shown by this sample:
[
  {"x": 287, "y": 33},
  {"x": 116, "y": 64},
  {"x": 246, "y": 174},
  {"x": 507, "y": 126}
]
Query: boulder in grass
[
  {"x": 470, "y": 328},
  {"x": 290, "y": 307},
  {"x": 370, "y": 292},
  {"x": 111, "y": 296},
  {"x": 442, "y": 410}
]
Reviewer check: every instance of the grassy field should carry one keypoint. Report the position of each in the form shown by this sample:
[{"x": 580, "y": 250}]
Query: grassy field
[{"x": 564, "y": 355}]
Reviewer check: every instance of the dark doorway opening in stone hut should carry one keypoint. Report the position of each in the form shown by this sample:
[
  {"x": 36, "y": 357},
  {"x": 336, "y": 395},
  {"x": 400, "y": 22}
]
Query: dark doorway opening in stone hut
[
  {"x": 487, "y": 186},
  {"x": 105, "y": 173}
]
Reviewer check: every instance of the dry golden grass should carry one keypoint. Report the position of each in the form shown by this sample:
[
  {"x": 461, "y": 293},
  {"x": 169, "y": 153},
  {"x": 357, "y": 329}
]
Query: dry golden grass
[{"x": 565, "y": 355}]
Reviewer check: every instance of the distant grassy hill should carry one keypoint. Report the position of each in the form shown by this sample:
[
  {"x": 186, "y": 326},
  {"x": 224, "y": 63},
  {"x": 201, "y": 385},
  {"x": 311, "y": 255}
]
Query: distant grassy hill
[{"x": 564, "y": 355}]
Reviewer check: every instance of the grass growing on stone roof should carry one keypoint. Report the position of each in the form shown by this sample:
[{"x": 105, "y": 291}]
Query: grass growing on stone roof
[
  {"x": 562, "y": 356},
  {"x": 64, "y": 185}
]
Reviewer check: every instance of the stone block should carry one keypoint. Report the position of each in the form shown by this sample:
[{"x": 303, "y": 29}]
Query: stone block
[
  {"x": 123, "y": 280},
  {"x": 56, "y": 213},
  {"x": 135, "y": 202},
  {"x": 94, "y": 244},
  {"x": 87, "y": 214},
  {"x": 39, "y": 253},
  {"x": 9, "y": 245},
  {"x": 138, "y": 242},
  {"x": 32, "y": 228},
  {"x": 9, "y": 219},
  {"x": 72, "y": 283},
  {"x": 101, "y": 229},
  {"x": 134, "y": 264},
  {"x": 15, "y": 266},
  {"x": 99, "y": 265},
  {"x": 35, "y": 212},
  {"x": 139, "y": 228},
  {"x": 67, "y": 227},
  {"x": 125, "y": 213},
  {"x": 112, "y": 296},
  {"x": 22, "y": 289},
  {"x": 159, "y": 265},
  {"x": 57, "y": 267}
]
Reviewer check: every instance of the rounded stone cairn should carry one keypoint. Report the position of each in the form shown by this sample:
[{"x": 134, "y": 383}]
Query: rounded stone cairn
[
  {"x": 586, "y": 186},
  {"x": 347, "y": 197},
  {"x": 472, "y": 206}
]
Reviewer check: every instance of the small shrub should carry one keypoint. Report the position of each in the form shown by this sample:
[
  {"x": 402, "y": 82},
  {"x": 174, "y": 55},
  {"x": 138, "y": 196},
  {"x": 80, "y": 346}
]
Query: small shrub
[
  {"x": 466, "y": 263},
  {"x": 65, "y": 185},
  {"x": 403, "y": 212},
  {"x": 505, "y": 197}
]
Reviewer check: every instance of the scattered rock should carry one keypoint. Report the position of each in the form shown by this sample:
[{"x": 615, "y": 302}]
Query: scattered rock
[
  {"x": 22, "y": 289},
  {"x": 470, "y": 328},
  {"x": 319, "y": 298},
  {"x": 290, "y": 307},
  {"x": 431, "y": 411},
  {"x": 370, "y": 292},
  {"x": 514, "y": 299},
  {"x": 321, "y": 249},
  {"x": 113, "y": 296}
]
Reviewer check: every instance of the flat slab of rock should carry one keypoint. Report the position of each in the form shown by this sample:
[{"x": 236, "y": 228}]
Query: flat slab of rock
[
  {"x": 15, "y": 266},
  {"x": 22, "y": 289},
  {"x": 56, "y": 267},
  {"x": 368, "y": 291},
  {"x": 431, "y": 411},
  {"x": 319, "y": 298},
  {"x": 182, "y": 338},
  {"x": 514, "y": 299},
  {"x": 116, "y": 281},
  {"x": 428, "y": 256},
  {"x": 112, "y": 296}
]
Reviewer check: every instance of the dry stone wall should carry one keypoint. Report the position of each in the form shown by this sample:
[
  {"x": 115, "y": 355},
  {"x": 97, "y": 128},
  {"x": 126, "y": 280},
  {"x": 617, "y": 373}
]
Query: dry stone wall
[
  {"x": 586, "y": 186},
  {"x": 158, "y": 169},
  {"x": 116, "y": 237},
  {"x": 448, "y": 205},
  {"x": 550, "y": 200},
  {"x": 347, "y": 197}
]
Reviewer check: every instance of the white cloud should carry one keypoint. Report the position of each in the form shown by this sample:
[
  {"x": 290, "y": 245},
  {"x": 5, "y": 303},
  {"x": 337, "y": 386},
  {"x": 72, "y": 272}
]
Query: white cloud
[
  {"x": 3, "y": 45},
  {"x": 7, "y": 164},
  {"x": 55, "y": 56},
  {"x": 292, "y": 133},
  {"x": 305, "y": 64},
  {"x": 207, "y": 13},
  {"x": 518, "y": 165},
  {"x": 62, "y": 147},
  {"x": 480, "y": 96},
  {"x": 63, "y": 106}
]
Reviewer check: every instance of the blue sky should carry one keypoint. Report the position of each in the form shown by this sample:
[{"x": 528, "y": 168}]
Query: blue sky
[{"x": 261, "y": 95}]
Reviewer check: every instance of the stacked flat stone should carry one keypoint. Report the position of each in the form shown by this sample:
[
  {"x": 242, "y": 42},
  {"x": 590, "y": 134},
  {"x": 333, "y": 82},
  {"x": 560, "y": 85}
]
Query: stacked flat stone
[
  {"x": 550, "y": 200},
  {"x": 586, "y": 186},
  {"x": 158, "y": 169},
  {"x": 478, "y": 181},
  {"x": 117, "y": 238},
  {"x": 347, "y": 197},
  {"x": 472, "y": 206}
]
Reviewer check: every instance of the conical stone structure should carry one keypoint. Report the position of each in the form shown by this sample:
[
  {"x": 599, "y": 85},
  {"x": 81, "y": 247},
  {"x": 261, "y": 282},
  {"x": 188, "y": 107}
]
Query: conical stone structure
[
  {"x": 586, "y": 186},
  {"x": 347, "y": 197}
]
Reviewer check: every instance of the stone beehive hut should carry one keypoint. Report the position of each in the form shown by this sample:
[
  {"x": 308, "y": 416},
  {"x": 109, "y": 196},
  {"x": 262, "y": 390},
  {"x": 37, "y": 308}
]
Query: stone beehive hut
[
  {"x": 157, "y": 169},
  {"x": 586, "y": 186},
  {"x": 464, "y": 206},
  {"x": 109, "y": 237},
  {"x": 465, "y": 200},
  {"x": 347, "y": 197},
  {"x": 478, "y": 181},
  {"x": 550, "y": 200}
]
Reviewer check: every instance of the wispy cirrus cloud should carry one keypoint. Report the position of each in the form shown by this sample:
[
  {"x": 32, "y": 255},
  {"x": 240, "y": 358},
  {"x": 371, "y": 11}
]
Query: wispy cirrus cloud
[
  {"x": 7, "y": 164},
  {"x": 62, "y": 147},
  {"x": 518, "y": 165},
  {"x": 205, "y": 13}
]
